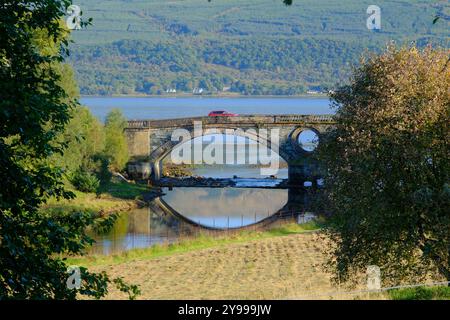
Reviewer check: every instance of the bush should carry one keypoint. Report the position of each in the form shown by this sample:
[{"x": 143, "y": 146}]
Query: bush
[
  {"x": 101, "y": 168},
  {"x": 85, "y": 181}
]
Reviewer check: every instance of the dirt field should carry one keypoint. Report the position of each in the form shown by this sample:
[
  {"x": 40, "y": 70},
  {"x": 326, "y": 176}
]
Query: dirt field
[{"x": 276, "y": 268}]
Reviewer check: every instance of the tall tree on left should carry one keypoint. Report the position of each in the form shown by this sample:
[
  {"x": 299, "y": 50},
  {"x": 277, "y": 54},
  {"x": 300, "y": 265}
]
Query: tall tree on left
[{"x": 34, "y": 109}]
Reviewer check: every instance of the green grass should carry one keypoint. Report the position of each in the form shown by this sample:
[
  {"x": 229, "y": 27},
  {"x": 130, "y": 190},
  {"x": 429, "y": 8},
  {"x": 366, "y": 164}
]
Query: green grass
[
  {"x": 200, "y": 242},
  {"x": 421, "y": 293},
  {"x": 123, "y": 190}
]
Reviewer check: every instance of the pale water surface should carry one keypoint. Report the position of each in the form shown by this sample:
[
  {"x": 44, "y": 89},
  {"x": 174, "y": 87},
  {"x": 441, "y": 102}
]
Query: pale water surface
[{"x": 169, "y": 108}]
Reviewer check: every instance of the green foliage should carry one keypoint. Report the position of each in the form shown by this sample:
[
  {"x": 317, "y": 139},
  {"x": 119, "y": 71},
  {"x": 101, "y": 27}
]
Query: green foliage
[
  {"x": 85, "y": 181},
  {"x": 240, "y": 65},
  {"x": 35, "y": 108},
  {"x": 116, "y": 147},
  {"x": 92, "y": 147},
  {"x": 387, "y": 167},
  {"x": 106, "y": 223},
  {"x": 85, "y": 139},
  {"x": 132, "y": 290}
]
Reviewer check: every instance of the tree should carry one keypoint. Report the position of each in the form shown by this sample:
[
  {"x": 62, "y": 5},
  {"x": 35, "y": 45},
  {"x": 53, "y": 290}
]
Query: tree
[
  {"x": 116, "y": 147},
  {"x": 85, "y": 139},
  {"x": 387, "y": 167},
  {"x": 34, "y": 109}
]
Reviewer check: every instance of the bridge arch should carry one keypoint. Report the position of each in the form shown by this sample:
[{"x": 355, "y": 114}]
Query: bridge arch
[
  {"x": 295, "y": 138},
  {"x": 253, "y": 135}
]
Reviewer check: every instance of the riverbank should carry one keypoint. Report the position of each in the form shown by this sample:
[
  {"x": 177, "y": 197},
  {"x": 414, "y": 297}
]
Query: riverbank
[
  {"x": 183, "y": 176},
  {"x": 189, "y": 170},
  {"x": 283, "y": 263},
  {"x": 114, "y": 196},
  {"x": 197, "y": 243}
]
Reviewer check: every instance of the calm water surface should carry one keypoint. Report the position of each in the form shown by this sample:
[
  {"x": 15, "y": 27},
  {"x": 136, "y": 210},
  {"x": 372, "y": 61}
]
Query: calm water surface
[{"x": 168, "y": 108}]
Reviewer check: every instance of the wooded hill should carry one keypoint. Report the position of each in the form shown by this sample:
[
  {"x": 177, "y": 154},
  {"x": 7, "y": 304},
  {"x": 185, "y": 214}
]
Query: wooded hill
[{"x": 244, "y": 46}]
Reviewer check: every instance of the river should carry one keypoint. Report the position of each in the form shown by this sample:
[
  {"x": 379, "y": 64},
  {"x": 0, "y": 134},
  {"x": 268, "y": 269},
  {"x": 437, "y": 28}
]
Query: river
[{"x": 169, "y": 108}]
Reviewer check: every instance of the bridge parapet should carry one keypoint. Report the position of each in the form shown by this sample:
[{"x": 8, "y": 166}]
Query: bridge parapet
[
  {"x": 138, "y": 124},
  {"x": 304, "y": 119},
  {"x": 242, "y": 119}
]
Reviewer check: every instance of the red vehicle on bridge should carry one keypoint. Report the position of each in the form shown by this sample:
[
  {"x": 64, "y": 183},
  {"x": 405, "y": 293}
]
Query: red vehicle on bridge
[{"x": 221, "y": 113}]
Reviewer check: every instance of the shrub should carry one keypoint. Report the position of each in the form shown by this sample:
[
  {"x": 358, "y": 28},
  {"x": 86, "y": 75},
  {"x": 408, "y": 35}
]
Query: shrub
[{"x": 85, "y": 181}]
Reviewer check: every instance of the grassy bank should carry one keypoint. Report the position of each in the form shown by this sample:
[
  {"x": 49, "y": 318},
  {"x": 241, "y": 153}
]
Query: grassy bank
[
  {"x": 198, "y": 243},
  {"x": 111, "y": 196},
  {"x": 123, "y": 190}
]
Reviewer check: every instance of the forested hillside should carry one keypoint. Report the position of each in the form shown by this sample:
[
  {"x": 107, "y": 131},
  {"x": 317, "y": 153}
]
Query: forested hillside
[{"x": 243, "y": 46}]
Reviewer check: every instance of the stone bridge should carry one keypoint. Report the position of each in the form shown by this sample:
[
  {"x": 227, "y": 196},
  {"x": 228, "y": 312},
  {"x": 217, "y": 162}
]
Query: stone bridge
[{"x": 150, "y": 141}]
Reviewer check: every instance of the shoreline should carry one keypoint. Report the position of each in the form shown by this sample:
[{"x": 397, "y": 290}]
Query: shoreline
[{"x": 193, "y": 96}]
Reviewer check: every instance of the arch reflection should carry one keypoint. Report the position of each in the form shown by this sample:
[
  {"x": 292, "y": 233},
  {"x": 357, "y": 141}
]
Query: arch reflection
[{"x": 225, "y": 208}]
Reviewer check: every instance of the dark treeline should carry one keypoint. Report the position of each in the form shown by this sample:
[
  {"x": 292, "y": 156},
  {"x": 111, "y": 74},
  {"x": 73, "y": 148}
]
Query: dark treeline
[{"x": 250, "y": 67}]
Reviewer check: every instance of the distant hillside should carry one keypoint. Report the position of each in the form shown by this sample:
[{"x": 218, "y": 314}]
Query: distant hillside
[{"x": 242, "y": 46}]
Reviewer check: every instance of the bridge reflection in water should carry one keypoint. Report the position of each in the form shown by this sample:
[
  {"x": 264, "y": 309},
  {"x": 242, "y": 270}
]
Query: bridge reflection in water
[{"x": 187, "y": 212}]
